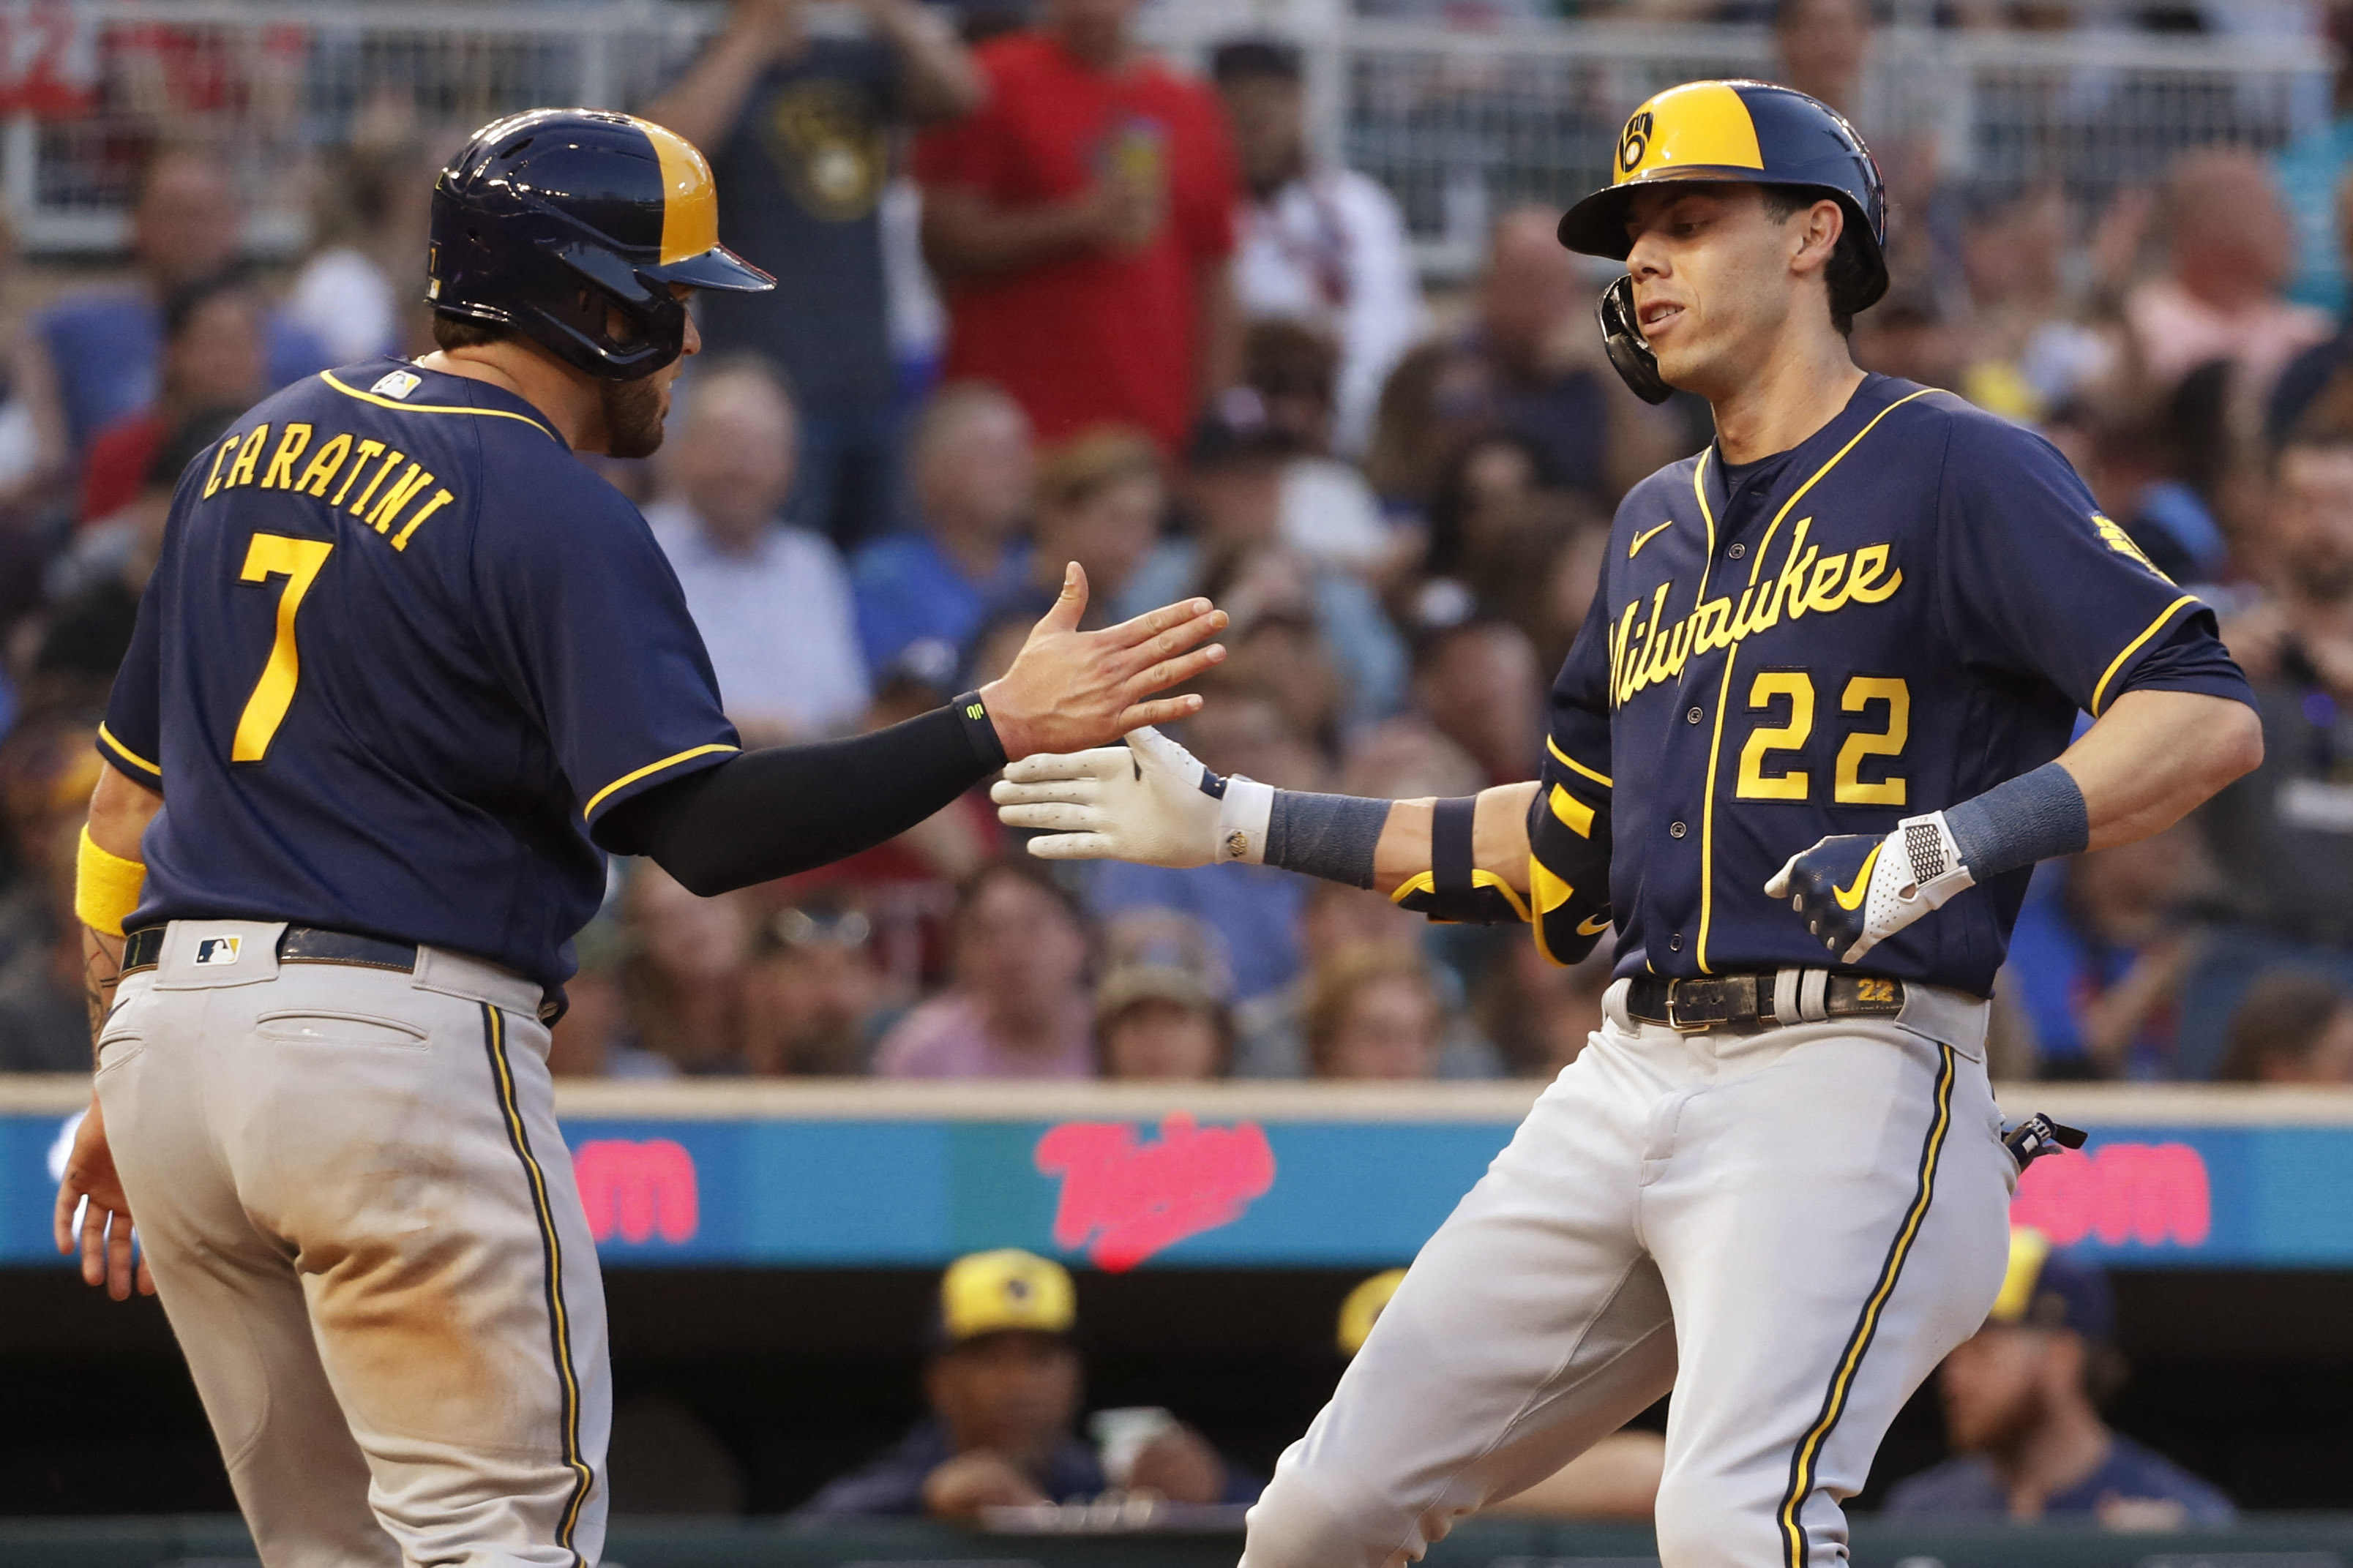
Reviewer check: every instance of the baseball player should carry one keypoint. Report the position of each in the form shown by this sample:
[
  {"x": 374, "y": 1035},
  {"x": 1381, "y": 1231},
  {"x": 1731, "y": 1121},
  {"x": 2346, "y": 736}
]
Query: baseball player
[
  {"x": 405, "y": 670},
  {"x": 1812, "y": 737}
]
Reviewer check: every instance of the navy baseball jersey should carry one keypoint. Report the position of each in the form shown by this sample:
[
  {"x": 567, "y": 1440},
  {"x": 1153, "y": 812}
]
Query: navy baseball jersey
[
  {"x": 400, "y": 654},
  {"x": 1905, "y": 609}
]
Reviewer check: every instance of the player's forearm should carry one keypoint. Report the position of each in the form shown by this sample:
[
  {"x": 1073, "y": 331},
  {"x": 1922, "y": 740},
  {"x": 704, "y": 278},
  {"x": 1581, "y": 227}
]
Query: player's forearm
[
  {"x": 1499, "y": 837},
  {"x": 787, "y": 809},
  {"x": 2154, "y": 757},
  {"x": 108, "y": 877},
  {"x": 102, "y": 969}
]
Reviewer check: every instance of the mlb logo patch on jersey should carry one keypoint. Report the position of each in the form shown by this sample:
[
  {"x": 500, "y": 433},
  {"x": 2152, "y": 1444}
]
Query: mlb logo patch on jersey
[
  {"x": 396, "y": 383},
  {"x": 212, "y": 949}
]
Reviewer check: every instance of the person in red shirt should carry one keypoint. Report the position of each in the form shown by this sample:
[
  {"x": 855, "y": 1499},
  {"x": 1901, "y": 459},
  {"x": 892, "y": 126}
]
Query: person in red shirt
[{"x": 1079, "y": 223}]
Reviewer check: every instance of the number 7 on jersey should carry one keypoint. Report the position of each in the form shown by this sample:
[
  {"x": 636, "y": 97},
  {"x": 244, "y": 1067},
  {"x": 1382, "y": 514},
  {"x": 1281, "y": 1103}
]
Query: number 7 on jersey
[{"x": 298, "y": 561}]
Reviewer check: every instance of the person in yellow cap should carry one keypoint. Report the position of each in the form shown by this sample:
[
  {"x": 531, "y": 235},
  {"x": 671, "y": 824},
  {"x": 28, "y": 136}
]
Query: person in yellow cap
[
  {"x": 2022, "y": 1414},
  {"x": 1005, "y": 1387}
]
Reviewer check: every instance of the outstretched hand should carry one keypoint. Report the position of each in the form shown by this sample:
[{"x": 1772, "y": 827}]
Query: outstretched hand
[
  {"x": 1069, "y": 690},
  {"x": 102, "y": 1229}
]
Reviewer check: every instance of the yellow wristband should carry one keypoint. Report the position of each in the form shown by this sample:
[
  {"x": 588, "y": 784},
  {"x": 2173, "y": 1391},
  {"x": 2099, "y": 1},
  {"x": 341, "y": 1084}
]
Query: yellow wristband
[{"x": 106, "y": 886}]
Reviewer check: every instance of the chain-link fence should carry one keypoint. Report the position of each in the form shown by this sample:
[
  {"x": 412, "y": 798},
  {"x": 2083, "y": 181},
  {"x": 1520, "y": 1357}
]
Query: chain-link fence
[{"x": 1458, "y": 124}]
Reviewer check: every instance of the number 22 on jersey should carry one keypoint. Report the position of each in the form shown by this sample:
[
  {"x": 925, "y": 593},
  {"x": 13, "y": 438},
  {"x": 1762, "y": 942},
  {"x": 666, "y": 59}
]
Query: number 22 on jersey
[
  {"x": 298, "y": 561},
  {"x": 1848, "y": 787}
]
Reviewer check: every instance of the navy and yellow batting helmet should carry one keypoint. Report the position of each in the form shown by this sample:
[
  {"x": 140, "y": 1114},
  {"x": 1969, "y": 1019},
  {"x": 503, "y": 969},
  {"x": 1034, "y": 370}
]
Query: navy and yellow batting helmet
[
  {"x": 551, "y": 221},
  {"x": 1751, "y": 132}
]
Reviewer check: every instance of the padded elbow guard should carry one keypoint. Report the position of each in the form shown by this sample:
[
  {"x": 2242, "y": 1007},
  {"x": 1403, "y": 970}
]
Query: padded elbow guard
[
  {"x": 1454, "y": 888},
  {"x": 1568, "y": 871}
]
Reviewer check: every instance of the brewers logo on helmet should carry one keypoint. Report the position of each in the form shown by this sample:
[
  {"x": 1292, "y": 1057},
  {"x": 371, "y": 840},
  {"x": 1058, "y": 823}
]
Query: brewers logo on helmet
[
  {"x": 551, "y": 221},
  {"x": 1751, "y": 132}
]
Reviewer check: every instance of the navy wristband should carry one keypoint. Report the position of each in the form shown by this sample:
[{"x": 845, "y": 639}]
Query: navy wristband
[
  {"x": 1327, "y": 835},
  {"x": 2034, "y": 817},
  {"x": 986, "y": 744}
]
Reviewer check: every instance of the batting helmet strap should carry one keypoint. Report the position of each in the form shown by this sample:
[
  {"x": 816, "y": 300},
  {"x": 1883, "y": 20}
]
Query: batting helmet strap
[{"x": 558, "y": 221}]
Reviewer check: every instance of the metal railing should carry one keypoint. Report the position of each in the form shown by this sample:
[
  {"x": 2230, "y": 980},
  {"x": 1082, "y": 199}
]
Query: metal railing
[{"x": 1458, "y": 124}]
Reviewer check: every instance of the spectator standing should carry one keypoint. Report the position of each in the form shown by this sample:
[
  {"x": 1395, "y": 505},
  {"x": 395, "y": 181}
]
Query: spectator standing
[
  {"x": 2294, "y": 1028},
  {"x": 1004, "y": 1387},
  {"x": 214, "y": 363},
  {"x": 2286, "y": 829},
  {"x": 1081, "y": 223},
  {"x": 1317, "y": 243},
  {"x": 94, "y": 355},
  {"x": 772, "y": 602},
  {"x": 798, "y": 124},
  {"x": 1019, "y": 1008},
  {"x": 2228, "y": 248},
  {"x": 2022, "y": 1410},
  {"x": 922, "y": 595}
]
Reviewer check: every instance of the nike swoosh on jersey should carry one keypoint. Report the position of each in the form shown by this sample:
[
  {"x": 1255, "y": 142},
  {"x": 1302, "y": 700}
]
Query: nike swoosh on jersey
[
  {"x": 1646, "y": 536},
  {"x": 1851, "y": 896},
  {"x": 1594, "y": 925}
]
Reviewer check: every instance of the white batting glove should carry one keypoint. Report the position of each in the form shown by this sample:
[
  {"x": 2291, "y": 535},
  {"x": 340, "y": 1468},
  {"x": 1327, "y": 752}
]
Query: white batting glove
[
  {"x": 1149, "y": 801},
  {"x": 1855, "y": 891}
]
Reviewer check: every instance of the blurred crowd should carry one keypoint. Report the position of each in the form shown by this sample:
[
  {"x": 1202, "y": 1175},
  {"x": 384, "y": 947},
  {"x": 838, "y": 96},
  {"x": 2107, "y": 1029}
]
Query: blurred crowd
[{"x": 1044, "y": 298}]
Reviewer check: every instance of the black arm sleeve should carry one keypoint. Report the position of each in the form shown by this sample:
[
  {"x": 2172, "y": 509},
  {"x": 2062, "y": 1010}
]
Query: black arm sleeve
[{"x": 771, "y": 813}]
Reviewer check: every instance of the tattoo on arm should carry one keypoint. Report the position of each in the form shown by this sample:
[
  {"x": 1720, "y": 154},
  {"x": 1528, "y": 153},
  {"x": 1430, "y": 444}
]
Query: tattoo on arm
[{"x": 102, "y": 966}]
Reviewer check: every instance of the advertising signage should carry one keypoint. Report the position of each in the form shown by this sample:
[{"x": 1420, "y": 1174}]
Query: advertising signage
[{"x": 1180, "y": 1188}]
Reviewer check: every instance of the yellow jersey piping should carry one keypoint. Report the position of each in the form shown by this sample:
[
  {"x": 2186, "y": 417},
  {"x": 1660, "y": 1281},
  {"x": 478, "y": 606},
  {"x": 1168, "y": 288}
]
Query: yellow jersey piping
[
  {"x": 625, "y": 780},
  {"x": 106, "y": 738},
  {"x": 329, "y": 377},
  {"x": 2132, "y": 647},
  {"x": 1573, "y": 765}
]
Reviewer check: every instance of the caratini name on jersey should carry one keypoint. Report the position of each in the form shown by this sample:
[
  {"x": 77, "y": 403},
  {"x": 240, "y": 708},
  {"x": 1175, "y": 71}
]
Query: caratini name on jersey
[{"x": 344, "y": 461}]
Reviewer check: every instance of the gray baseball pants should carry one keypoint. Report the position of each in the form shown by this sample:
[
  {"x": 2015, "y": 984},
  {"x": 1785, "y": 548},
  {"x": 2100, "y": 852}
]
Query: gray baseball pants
[
  {"x": 362, "y": 1225},
  {"x": 1786, "y": 1227}
]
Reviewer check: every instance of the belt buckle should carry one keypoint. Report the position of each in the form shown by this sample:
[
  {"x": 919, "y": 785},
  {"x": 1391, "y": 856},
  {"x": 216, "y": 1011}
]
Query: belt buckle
[{"x": 1677, "y": 1024}]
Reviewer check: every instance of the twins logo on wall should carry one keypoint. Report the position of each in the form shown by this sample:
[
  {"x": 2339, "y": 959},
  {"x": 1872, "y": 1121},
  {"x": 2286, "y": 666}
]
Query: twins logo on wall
[{"x": 1123, "y": 1199}]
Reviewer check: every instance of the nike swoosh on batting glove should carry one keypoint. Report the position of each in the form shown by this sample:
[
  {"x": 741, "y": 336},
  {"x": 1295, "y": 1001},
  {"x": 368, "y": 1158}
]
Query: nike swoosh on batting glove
[
  {"x": 1150, "y": 801},
  {"x": 1854, "y": 891}
]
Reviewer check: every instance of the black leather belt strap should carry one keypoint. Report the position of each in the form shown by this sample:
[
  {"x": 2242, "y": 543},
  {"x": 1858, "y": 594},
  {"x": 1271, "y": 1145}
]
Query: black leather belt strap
[
  {"x": 1762, "y": 1001},
  {"x": 144, "y": 949}
]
